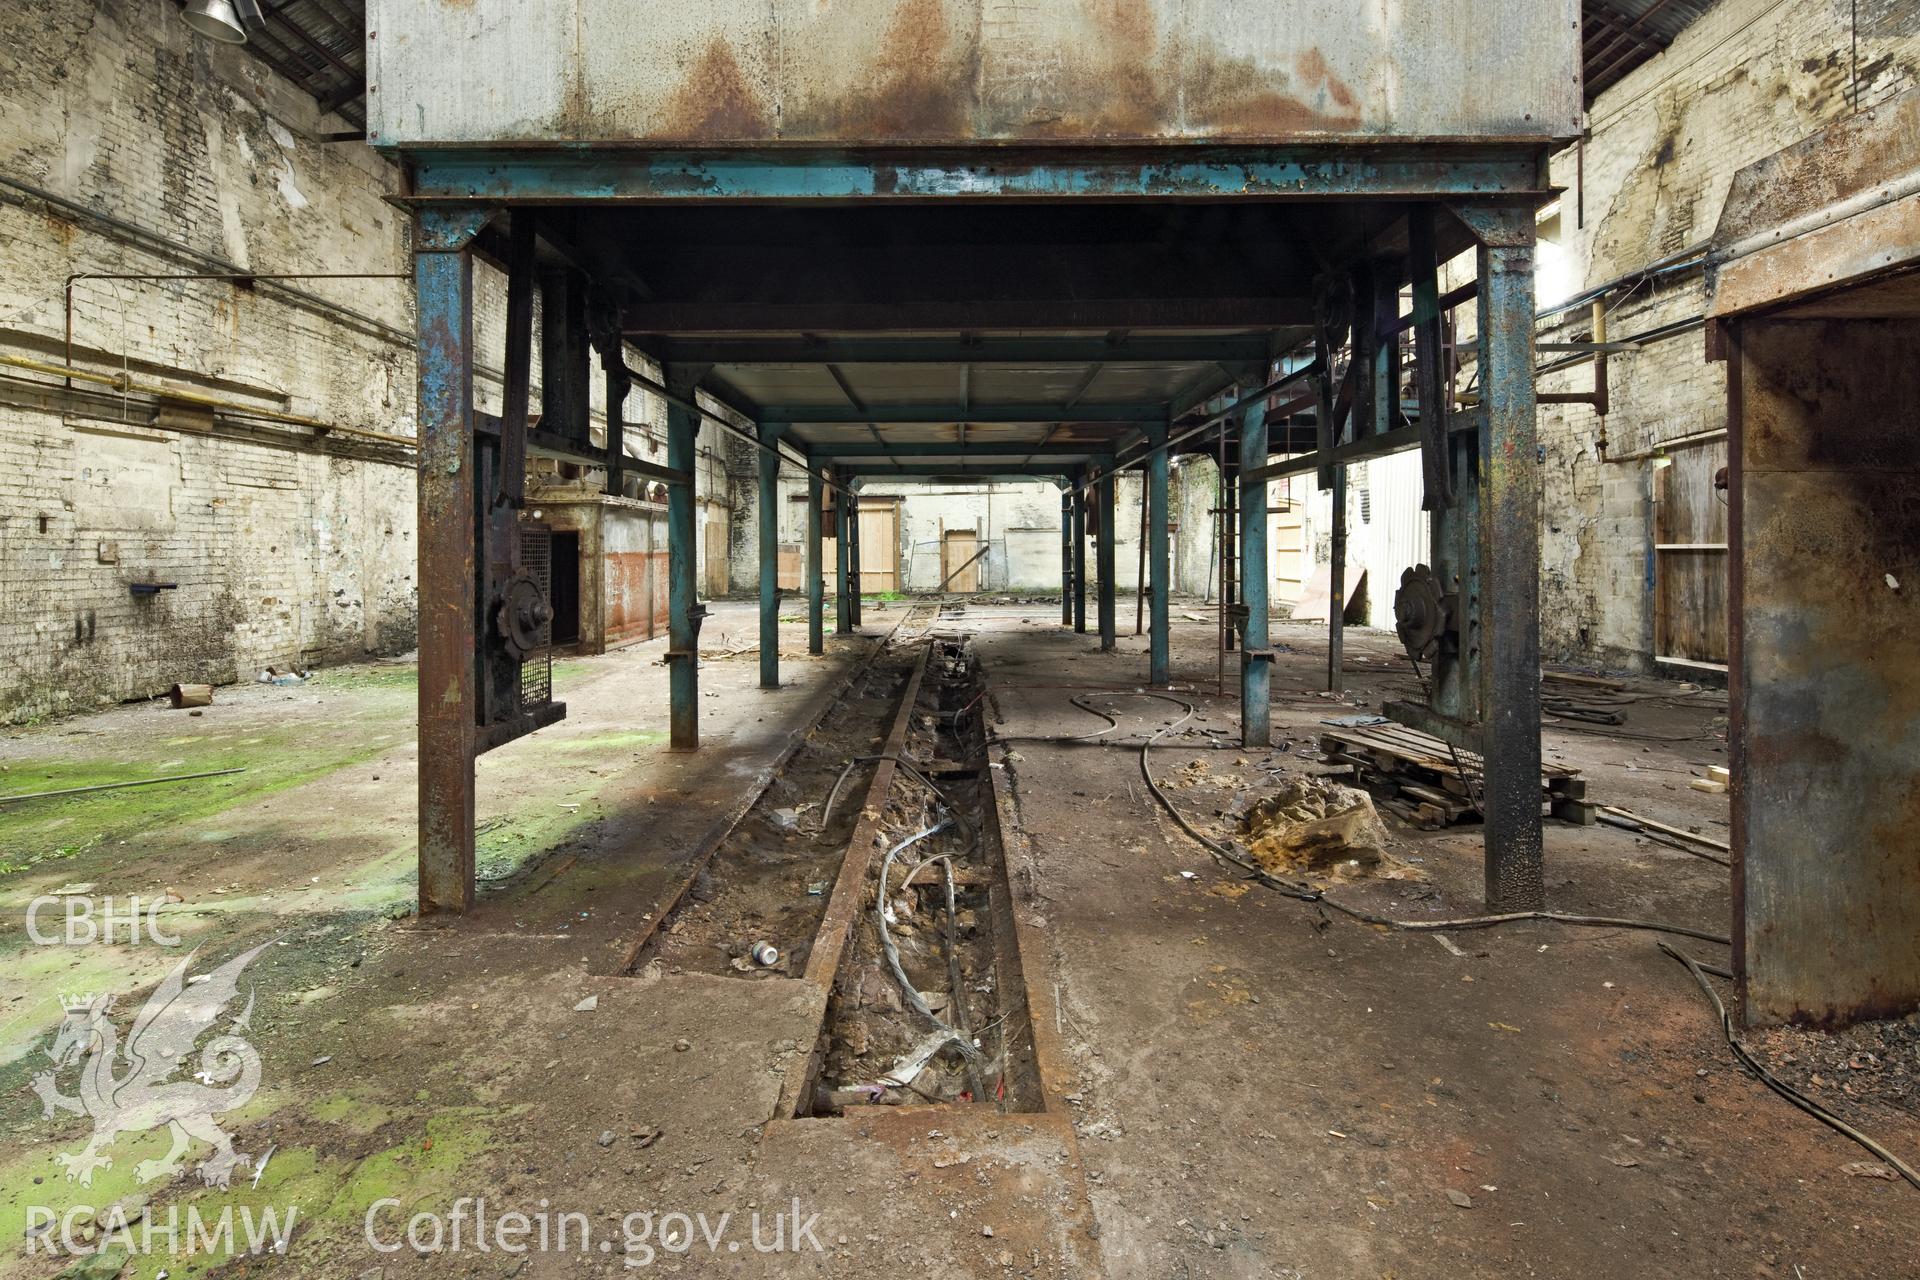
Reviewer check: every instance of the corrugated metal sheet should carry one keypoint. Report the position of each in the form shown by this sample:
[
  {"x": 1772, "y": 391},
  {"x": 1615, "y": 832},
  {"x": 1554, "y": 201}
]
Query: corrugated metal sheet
[
  {"x": 1387, "y": 532},
  {"x": 961, "y": 71},
  {"x": 1623, "y": 34}
]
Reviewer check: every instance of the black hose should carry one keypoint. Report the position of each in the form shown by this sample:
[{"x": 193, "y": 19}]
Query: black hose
[
  {"x": 1307, "y": 893},
  {"x": 1780, "y": 1086}
]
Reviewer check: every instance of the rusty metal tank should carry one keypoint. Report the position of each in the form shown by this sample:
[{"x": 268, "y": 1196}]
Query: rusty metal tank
[{"x": 966, "y": 73}]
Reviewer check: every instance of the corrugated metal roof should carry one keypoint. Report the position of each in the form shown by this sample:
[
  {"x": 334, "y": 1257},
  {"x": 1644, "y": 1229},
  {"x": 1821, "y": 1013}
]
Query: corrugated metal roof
[
  {"x": 1621, "y": 35},
  {"x": 321, "y": 46}
]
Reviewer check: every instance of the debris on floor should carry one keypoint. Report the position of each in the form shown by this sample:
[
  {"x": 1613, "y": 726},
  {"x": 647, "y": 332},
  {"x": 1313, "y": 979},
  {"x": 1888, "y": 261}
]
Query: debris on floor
[{"x": 1316, "y": 826}]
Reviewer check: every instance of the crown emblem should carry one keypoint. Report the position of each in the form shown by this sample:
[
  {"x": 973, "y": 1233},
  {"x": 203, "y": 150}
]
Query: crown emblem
[{"x": 77, "y": 1004}]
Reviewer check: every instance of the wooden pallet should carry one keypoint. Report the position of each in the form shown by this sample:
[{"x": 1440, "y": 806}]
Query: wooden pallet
[{"x": 1432, "y": 785}]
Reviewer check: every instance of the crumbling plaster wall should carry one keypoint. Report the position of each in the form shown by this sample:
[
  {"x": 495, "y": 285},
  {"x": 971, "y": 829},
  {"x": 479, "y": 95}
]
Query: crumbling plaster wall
[
  {"x": 129, "y": 145},
  {"x": 1748, "y": 78},
  {"x": 284, "y": 550}
]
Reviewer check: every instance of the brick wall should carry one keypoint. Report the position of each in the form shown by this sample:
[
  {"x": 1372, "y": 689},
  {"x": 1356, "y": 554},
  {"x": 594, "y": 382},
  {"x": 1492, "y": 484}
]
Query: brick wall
[
  {"x": 282, "y": 549},
  {"x": 1749, "y": 78},
  {"x": 129, "y": 145}
]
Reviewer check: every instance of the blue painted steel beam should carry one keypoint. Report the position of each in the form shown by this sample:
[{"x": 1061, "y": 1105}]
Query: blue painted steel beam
[
  {"x": 1337, "y": 585},
  {"x": 847, "y": 415},
  {"x": 448, "y": 547},
  {"x": 769, "y": 517},
  {"x": 1043, "y": 350},
  {"x": 955, "y": 450},
  {"x": 843, "y": 554},
  {"x": 1256, "y": 652},
  {"x": 683, "y": 625},
  {"x": 597, "y": 173},
  {"x": 816, "y": 575},
  {"x": 1079, "y": 495},
  {"x": 1510, "y": 550},
  {"x": 1159, "y": 664},
  {"x": 984, "y": 473},
  {"x": 1103, "y": 553},
  {"x": 1066, "y": 558},
  {"x": 854, "y": 585}
]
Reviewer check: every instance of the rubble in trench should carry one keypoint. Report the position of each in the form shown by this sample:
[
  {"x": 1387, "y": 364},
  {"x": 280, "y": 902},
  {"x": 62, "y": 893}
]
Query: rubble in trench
[{"x": 959, "y": 1045}]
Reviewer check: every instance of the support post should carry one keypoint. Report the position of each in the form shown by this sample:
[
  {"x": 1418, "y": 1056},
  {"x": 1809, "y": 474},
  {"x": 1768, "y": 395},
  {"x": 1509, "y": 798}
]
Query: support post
[
  {"x": 1066, "y": 558},
  {"x": 683, "y": 622},
  {"x": 1256, "y": 653},
  {"x": 816, "y": 572},
  {"x": 1159, "y": 642},
  {"x": 448, "y": 687},
  {"x": 1337, "y": 585},
  {"x": 1079, "y": 556},
  {"x": 618, "y": 384},
  {"x": 853, "y": 559},
  {"x": 1229, "y": 536},
  {"x": 769, "y": 514},
  {"x": 842, "y": 557},
  {"x": 1140, "y": 557},
  {"x": 1510, "y": 559},
  {"x": 1103, "y": 549}
]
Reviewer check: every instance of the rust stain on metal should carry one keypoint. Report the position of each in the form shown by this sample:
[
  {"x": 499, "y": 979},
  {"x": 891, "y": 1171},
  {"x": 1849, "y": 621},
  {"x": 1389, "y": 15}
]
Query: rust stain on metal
[
  {"x": 1829, "y": 718},
  {"x": 717, "y": 102},
  {"x": 1234, "y": 95},
  {"x": 921, "y": 91}
]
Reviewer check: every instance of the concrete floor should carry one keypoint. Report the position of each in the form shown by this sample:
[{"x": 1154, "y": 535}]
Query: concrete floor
[{"x": 1247, "y": 1088}]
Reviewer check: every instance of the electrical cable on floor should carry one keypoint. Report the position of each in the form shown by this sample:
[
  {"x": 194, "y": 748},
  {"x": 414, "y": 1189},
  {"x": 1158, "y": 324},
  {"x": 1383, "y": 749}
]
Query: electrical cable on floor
[
  {"x": 833, "y": 797},
  {"x": 1307, "y": 893},
  {"x": 1780, "y": 1086},
  {"x": 881, "y": 910}
]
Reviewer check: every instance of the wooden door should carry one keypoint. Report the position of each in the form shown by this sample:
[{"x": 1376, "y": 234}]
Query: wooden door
[
  {"x": 1287, "y": 542},
  {"x": 1690, "y": 559},
  {"x": 879, "y": 547},
  {"x": 959, "y": 560}
]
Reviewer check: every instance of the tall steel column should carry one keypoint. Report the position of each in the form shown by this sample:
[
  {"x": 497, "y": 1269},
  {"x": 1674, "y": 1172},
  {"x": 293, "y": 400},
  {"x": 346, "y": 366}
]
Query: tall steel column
[
  {"x": 448, "y": 692},
  {"x": 1103, "y": 551},
  {"x": 769, "y": 515},
  {"x": 853, "y": 559},
  {"x": 1066, "y": 558},
  {"x": 683, "y": 622},
  {"x": 1256, "y": 652},
  {"x": 1510, "y": 558},
  {"x": 842, "y": 556},
  {"x": 1160, "y": 660},
  {"x": 1079, "y": 556},
  {"x": 1337, "y": 585},
  {"x": 816, "y": 572}
]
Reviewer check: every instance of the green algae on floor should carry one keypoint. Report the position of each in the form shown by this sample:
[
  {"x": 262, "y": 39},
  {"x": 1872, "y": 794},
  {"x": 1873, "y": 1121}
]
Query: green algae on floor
[{"x": 61, "y": 827}]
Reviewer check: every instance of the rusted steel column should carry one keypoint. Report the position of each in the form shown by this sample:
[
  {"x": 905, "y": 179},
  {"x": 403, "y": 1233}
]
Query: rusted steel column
[
  {"x": 816, "y": 575},
  {"x": 1079, "y": 556},
  {"x": 1256, "y": 652},
  {"x": 1066, "y": 558},
  {"x": 1103, "y": 553},
  {"x": 1337, "y": 585},
  {"x": 448, "y": 691},
  {"x": 853, "y": 559},
  {"x": 842, "y": 555},
  {"x": 683, "y": 622},
  {"x": 1510, "y": 561},
  {"x": 1160, "y": 652},
  {"x": 770, "y": 556}
]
